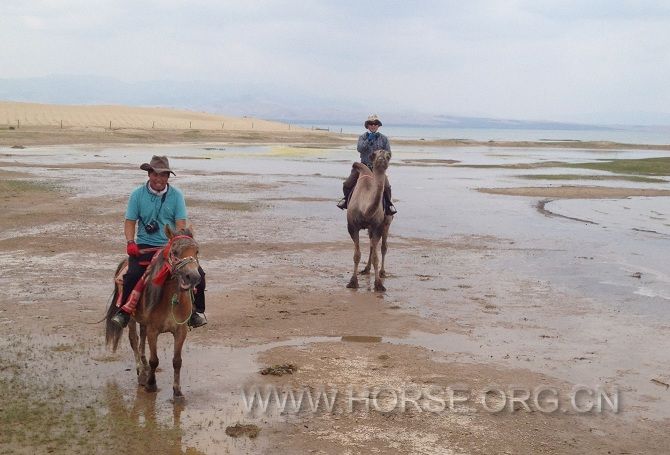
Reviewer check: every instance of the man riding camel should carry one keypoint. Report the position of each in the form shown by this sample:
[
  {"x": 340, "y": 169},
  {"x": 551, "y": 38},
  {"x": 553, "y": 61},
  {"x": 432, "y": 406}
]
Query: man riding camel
[
  {"x": 369, "y": 142},
  {"x": 154, "y": 204}
]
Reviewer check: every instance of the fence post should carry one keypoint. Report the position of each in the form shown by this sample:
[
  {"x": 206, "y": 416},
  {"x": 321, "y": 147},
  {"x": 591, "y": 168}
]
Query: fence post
[
  {"x": 110, "y": 124},
  {"x": 61, "y": 124},
  {"x": 18, "y": 124},
  {"x": 153, "y": 124}
]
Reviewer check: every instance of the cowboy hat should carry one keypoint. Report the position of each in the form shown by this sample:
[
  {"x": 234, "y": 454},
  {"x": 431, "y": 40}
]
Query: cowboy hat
[
  {"x": 372, "y": 119},
  {"x": 158, "y": 164}
]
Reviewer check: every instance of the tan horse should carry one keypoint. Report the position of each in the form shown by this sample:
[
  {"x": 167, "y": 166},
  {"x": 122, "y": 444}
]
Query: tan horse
[
  {"x": 161, "y": 308},
  {"x": 366, "y": 211}
]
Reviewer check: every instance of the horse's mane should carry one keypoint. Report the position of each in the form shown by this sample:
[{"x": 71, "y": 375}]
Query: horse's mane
[{"x": 153, "y": 293}]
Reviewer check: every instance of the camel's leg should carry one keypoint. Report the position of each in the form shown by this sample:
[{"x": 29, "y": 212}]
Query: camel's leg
[
  {"x": 179, "y": 337},
  {"x": 374, "y": 241},
  {"x": 132, "y": 336},
  {"x": 152, "y": 338},
  {"x": 366, "y": 270},
  {"x": 354, "y": 233},
  {"x": 385, "y": 234}
]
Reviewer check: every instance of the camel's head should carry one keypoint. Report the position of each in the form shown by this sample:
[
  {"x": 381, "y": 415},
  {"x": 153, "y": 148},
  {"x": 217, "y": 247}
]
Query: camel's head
[{"x": 380, "y": 159}]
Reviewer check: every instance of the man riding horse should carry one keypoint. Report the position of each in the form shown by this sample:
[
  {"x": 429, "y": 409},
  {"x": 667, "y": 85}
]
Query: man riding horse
[{"x": 154, "y": 204}]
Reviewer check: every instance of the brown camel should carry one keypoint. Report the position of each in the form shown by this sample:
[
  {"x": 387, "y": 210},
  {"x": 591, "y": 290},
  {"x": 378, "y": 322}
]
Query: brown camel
[{"x": 366, "y": 211}]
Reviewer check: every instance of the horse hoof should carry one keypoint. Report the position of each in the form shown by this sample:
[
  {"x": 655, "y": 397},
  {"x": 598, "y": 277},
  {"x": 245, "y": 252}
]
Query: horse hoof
[
  {"x": 382, "y": 273},
  {"x": 177, "y": 395},
  {"x": 151, "y": 388},
  {"x": 353, "y": 284},
  {"x": 365, "y": 272},
  {"x": 379, "y": 287}
]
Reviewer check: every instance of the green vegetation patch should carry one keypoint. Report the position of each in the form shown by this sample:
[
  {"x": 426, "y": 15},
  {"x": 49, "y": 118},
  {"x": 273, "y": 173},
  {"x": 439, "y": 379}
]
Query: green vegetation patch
[
  {"x": 629, "y": 178},
  {"x": 643, "y": 166},
  {"x": 226, "y": 205},
  {"x": 8, "y": 186}
]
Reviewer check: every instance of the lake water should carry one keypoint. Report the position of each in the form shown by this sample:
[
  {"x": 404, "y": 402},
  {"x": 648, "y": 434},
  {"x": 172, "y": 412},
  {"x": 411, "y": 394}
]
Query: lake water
[
  {"x": 438, "y": 202},
  {"x": 628, "y": 136}
]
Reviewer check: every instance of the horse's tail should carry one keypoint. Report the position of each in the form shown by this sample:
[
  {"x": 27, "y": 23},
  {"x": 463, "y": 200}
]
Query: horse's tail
[{"x": 112, "y": 331}]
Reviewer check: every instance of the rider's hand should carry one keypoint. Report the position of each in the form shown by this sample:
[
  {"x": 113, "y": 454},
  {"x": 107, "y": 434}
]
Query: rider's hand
[{"x": 132, "y": 249}]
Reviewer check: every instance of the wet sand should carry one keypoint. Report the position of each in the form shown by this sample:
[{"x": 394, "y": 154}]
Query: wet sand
[{"x": 484, "y": 293}]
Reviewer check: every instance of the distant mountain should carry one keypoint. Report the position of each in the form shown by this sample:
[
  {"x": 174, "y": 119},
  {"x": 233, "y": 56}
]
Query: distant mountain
[
  {"x": 241, "y": 100},
  {"x": 501, "y": 124}
]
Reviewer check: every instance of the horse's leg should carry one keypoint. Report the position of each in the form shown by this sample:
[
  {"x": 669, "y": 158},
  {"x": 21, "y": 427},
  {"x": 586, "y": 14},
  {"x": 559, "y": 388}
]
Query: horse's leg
[
  {"x": 152, "y": 338},
  {"x": 366, "y": 270},
  {"x": 354, "y": 233},
  {"x": 179, "y": 337},
  {"x": 132, "y": 336},
  {"x": 385, "y": 234},
  {"x": 143, "y": 356},
  {"x": 374, "y": 241}
]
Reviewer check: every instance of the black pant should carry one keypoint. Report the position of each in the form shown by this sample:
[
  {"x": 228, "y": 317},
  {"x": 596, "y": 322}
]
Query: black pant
[{"x": 138, "y": 264}]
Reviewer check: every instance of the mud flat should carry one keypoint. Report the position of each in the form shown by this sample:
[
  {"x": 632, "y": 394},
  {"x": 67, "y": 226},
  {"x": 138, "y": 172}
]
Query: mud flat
[{"x": 502, "y": 330}]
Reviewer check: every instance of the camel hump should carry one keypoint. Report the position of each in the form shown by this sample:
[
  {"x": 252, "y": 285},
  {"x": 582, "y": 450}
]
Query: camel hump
[{"x": 361, "y": 168}]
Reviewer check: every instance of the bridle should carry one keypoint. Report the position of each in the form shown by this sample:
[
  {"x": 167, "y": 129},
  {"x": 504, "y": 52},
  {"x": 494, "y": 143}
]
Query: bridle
[{"x": 175, "y": 264}]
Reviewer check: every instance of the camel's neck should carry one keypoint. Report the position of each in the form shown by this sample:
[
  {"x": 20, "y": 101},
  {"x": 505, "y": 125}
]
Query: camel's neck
[{"x": 379, "y": 178}]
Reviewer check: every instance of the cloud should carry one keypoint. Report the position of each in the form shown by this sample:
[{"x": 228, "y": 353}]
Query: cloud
[{"x": 541, "y": 59}]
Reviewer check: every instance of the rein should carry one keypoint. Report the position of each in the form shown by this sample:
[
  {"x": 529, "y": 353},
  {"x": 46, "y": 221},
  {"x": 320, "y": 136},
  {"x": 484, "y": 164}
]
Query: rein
[{"x": 175, "y": 301}]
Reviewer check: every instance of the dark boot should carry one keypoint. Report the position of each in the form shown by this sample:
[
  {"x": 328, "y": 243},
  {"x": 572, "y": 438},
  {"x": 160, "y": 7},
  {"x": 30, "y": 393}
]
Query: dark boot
[
  {"x": 197, "y": 320},
  {"x": 121, "y": 319},
  {"x": 389, "y": 208},
  {"x": 344, "y": 202}
]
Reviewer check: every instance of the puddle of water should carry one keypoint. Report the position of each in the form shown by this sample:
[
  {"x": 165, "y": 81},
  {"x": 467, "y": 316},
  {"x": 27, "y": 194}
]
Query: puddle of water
[
  {"x": 212, "y": 378},
  {"x": 361, "y": 339}
]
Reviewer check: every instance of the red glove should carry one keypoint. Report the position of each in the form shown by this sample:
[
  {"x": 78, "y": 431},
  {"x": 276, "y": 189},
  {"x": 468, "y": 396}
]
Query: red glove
[{"x": 132, "y": 249}]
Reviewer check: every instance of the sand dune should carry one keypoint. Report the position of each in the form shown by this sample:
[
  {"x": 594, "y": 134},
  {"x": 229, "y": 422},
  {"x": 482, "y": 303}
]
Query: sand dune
[{"x": 48, "y": 115}]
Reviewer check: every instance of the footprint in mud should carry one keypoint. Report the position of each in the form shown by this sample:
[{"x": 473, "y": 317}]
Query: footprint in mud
[{"x": 425, "y": 277}]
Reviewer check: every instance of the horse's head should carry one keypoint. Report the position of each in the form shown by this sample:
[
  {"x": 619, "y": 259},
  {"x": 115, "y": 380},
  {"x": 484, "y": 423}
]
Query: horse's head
[
  {"x": 380, "y": 159},
  {"x": 181, "y": 254}
]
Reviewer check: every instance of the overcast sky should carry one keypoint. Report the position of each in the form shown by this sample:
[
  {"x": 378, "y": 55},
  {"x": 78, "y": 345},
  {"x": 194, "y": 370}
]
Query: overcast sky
[{"x": 582, "y": 60}]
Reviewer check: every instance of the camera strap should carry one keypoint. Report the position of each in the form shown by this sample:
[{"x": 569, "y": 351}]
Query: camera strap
[{"x": 155, "y": 217}]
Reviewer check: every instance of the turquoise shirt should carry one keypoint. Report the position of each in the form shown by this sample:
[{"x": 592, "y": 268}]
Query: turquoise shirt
[{"x": 144, "y": 206}]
